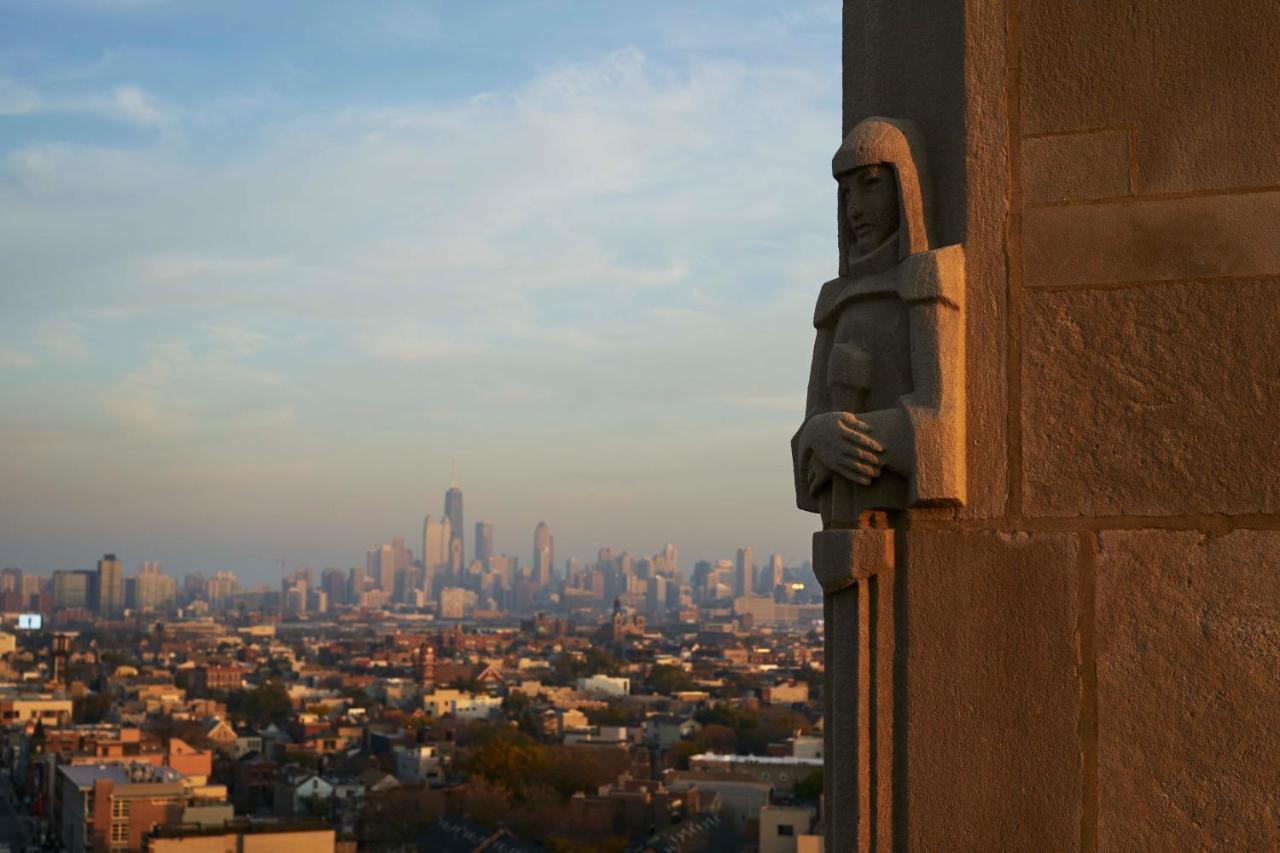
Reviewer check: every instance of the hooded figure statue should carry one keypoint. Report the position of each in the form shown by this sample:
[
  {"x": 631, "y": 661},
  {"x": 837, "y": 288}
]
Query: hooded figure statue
[{"x": 884, "y": 419}]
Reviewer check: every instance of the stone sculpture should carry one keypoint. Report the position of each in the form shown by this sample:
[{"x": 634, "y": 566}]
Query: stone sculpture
[
  {"x": 883, "y": 433},
  {"x": 884, "y": 419}
]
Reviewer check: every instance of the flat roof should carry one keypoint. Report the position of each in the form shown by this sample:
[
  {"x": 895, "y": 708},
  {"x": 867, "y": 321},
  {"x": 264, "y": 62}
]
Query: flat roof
[
  {"x": 84, "y": 775},
  {"x": 755, "y": 759}
]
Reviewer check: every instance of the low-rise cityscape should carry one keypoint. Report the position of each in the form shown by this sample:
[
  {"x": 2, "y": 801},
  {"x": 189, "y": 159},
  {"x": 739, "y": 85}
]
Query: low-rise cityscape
[{"x": 455, "y": 698}]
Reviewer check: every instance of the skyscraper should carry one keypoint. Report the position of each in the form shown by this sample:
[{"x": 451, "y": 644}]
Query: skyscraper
[
  {"x": 743, "y": 573},
  {"x": 484, "y": 541},
  {"x": 152, "y": 588},
  {"x": 355, "y": 585},
  {"x": 453, "y": 512},
  {"x": 667, "y": 562},
  {"x": 436, "y": 536},
  {"x": 774, "y": 577},
  {"x": 334, "y": 583},
  {"x": 110, "y": 586},
  {"x": 543, "y": 554},
  {"x": 380, "y": 563},
  {"x": 73, "y": 589},
  {"x": 403, "y": 556}
]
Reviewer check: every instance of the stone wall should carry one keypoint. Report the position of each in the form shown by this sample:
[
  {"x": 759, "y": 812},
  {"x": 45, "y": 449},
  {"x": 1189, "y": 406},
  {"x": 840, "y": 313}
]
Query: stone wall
[{"x": 1090, "y": 648}]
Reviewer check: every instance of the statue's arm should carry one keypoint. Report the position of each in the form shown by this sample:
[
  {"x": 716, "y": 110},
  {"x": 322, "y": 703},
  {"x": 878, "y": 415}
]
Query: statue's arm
[
  {"x": 817, "y": 400},
  {"x": 935, "y": 410}
]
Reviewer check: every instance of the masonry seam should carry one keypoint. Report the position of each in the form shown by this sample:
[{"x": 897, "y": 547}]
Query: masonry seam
[
  {"x": 1013, "y": 260},
  {"x": 1155, "y": 282},
  {"x": 1088, "y": 661}
]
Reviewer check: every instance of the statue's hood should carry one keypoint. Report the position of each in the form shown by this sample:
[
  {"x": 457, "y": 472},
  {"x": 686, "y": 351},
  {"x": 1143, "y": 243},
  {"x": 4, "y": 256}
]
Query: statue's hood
[{"x": 897, "y": 143}]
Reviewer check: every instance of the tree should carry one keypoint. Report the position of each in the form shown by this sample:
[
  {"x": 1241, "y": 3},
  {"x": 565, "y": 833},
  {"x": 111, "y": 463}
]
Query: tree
[
  {"x": 667, "y": 679},
  {"x": 810, "y": 787},
  {"x": 719, "y": 739},
  {"x": 261, "y": 705},
  {"x": 508, "y": 759},
  {"x": 393, "y": 818}
]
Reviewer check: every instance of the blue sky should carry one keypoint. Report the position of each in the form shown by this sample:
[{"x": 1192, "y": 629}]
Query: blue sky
[{"x": 269, "y": 269}]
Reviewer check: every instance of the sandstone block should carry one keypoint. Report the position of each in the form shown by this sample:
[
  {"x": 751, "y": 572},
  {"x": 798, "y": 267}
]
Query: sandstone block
[
  {"x": 1152, "y": 401},
  {"x": 1075, "y": 166},
  {"x": 1195, "y": 79},
  {"x": 1188, "y": 651},
  {"x": 1152, "y": 240},
  {"x": 992, "y": 699}
]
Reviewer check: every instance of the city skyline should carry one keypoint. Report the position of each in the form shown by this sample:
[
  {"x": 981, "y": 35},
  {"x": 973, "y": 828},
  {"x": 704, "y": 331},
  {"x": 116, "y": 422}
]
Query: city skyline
[
  {"x": 434, "y": 527},
  {"x": 259, "y": 290}
]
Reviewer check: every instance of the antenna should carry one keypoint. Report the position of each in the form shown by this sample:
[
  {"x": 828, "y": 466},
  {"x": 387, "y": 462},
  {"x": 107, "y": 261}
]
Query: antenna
[{"x": 453, "y": 474}]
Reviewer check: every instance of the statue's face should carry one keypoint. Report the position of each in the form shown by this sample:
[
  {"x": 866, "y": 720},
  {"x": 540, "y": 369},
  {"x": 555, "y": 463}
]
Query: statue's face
[{"x": 871, "y": 204}]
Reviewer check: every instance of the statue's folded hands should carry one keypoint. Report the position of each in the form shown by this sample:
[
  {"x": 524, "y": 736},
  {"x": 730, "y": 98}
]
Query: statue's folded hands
[{"x": 844, "y": 445}]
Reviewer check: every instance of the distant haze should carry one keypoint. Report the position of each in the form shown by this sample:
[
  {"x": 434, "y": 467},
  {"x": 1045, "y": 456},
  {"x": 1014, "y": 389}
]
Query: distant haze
[{"x": 271, "y": 269}]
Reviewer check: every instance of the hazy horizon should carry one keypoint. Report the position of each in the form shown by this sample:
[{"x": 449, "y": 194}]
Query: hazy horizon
[{"x": 272, "y": 271}]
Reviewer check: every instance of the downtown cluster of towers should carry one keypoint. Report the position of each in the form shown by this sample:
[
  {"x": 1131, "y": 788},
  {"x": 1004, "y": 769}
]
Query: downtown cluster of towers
[
  {"x": 439, "y": 578},
  {"x": 440, "y": 575}
]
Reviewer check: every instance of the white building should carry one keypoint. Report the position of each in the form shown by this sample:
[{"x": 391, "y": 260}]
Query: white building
[
  {"x": 461, "y": 704},
  {"x": 605, "y": 685}
]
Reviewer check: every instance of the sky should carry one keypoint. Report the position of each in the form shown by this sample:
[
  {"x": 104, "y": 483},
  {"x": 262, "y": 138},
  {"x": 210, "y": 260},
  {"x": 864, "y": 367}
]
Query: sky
[{"x": 270, "y": 272}]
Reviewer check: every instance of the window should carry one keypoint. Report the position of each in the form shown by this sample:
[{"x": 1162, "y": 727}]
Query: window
[
  {"x": 786, "y": 829},
  {"x": 119, "y": 832},
  {"x": 119, "y": 808}
]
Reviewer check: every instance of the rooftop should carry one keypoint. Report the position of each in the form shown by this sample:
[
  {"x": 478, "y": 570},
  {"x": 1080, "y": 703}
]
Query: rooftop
[
  {"x": 84, "y": 775},
  {"x": 713, "y": 758}
]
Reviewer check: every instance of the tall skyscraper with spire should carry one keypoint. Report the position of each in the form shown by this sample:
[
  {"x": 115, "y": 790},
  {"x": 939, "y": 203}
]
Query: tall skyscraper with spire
[{"x": 453, "y": 512}]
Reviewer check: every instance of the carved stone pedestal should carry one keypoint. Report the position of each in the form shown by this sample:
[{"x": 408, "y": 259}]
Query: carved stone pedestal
[{"x": 856, "y": 570}]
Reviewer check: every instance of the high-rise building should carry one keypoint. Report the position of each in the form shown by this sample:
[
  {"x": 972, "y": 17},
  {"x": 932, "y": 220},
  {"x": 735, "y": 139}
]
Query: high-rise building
[
  {"x": 453, "y": 512},
  {"x": 774, "y": 577},
  {"x": 667, "y": 562},
  {"x": 403, "y": 556},
  {"x": 355, "y": 586},
  {"x": 544, "y": 554},
  {"x": 152, "y": 588},
  {"x": 436, "y": 536},
  {"x": 380, "y": 564},
  {"x": 222, "y": 589},
  {"x": 74, "y": 589},
  {"x": 110, "y": 586},
  {"x": 334, "y": 585},
  {"x": 455, "y": 601},
  {"x": 484, "y": 541},
  {"x": 743, "y": 573}
]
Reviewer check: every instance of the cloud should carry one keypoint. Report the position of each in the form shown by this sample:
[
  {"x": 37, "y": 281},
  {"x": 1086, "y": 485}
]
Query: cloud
[
  {"x": 66, "y": 339},
  {"x": 18, "y": 98},
  {"x": 182, "y": 391},
  {"x": 127, "y": 104},
  {"x": 13, "y": 359},
  {"x": 176, "y": 266},
  {"x": 410, "y": 345},
  {"x": 132, "y": 104}
]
